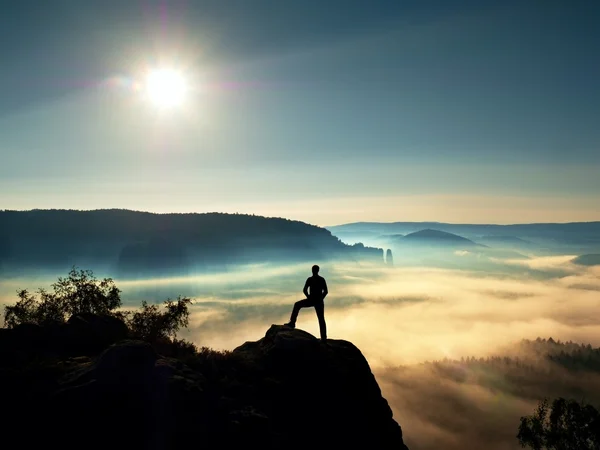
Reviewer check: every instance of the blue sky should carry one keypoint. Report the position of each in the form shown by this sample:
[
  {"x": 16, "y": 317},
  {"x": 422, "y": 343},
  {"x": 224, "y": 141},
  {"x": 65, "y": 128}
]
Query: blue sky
[{"x": 323, "y": 111}]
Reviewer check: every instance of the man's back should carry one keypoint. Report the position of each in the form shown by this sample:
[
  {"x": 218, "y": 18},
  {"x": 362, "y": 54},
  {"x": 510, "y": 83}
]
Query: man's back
[{"x": 317, "y": 287}]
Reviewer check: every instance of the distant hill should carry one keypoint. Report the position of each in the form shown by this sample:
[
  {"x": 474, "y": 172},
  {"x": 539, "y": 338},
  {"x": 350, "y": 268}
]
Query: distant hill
[
  {"x": 523, "y": 229},
  {"x": 583, "y": 234},
  {"x": 430, "y": 234},
  {"x": 587, "y": 260},
  {"x": 137, "y": 243},
  {"x": 436, "y": 237}
]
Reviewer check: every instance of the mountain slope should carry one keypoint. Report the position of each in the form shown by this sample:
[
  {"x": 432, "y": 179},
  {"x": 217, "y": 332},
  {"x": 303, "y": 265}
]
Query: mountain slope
[
  {"x": 129, "y": 242},
  {"x": 437, "y": 235},
  {"x": 432, "y": 238}
]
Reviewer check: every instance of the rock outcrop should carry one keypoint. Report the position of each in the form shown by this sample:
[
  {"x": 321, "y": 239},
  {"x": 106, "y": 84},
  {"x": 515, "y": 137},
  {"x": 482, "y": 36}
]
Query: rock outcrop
[
  {"x": 320, "y": 395},
  {"x": 389, "y": 258},
  {"x": 287, "y": 390},
  {"x": 82, "y": 334}
]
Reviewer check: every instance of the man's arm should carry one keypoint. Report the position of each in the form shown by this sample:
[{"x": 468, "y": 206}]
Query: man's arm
[
  {"x": 305, "y": 290},
  {"x": 325, "y": 291}
]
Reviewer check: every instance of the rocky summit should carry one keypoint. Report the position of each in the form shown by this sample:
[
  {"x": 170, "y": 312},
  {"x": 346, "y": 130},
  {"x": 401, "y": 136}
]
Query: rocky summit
[{"x": 287, "y": 390}]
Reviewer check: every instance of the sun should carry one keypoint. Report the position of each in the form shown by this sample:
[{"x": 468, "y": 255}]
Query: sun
[{"x": 166, "y": 88}]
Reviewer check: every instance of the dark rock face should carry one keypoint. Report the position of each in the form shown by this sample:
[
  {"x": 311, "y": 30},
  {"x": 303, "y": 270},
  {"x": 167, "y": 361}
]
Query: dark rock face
[
  {"x": 286, "y": 390},
  {"x": 83, "y": 334},
  {"x": 130, "y": 398},
  {"x": 320, "y": 395},
  {"x": 89, "y": 331}
]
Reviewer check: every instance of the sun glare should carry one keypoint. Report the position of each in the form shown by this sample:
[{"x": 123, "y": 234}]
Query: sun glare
[{"x": 166, "y": 88}]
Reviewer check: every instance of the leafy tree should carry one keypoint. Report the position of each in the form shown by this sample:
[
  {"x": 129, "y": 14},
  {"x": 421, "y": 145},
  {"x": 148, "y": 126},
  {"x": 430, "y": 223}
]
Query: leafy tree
[
  {"x": 567, "y": 425},
  {"x": 80, "y": 292},
  {"x": 26, "y": 310},
  {"x": 151, "y": 323}
]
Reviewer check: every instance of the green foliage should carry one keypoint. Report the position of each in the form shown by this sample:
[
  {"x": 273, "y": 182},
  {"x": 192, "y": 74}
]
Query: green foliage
[
  {"x": 151, "y": 324},
  {"x": 80, "y": 292},
  {"x": 26, "y": 310},
  {"x": 568, "y": 425}
]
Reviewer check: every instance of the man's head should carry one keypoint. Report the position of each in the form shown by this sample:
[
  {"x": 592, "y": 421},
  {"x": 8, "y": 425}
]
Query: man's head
[{"x": 315, "y": 269}]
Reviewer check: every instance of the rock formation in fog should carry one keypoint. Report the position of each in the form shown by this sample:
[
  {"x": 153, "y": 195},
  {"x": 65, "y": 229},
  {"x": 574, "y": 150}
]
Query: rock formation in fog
[{"x": 389, "y": 259}]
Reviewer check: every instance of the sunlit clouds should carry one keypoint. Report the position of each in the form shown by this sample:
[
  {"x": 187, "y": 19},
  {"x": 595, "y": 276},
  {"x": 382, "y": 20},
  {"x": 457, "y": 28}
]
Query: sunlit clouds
[{"x": 397, "y": 315}]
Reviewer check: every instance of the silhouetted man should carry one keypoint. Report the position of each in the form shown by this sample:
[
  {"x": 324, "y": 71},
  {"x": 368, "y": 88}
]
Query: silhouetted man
[{"x": 315, "y": 290}]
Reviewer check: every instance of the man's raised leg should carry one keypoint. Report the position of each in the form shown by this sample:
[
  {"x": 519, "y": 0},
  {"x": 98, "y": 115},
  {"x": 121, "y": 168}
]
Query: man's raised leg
[{"x": 297, "y": 306}]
